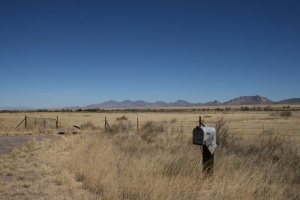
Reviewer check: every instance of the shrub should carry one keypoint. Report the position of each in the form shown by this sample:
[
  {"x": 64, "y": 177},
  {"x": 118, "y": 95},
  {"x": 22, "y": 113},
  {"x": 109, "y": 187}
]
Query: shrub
[
  {"x": 87, "y": 125},
  {"x": 151, "y": 127},
  {"x": 121, "y": 126},
  {"x": 246, "y": 108},
  {"x": 174, "y": 120},
  {"x": 122, "y": 118},
  {"x": 225, "y": 138},
  {"x": 286, "y": 114},
  {"x": 268, "y": 108},
  {"x": 258, "y": 108},
  {"x": 150, "y": 130}
]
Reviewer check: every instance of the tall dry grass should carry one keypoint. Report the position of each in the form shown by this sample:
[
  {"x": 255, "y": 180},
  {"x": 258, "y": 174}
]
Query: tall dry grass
[
  {"x": 158, "y": 162},
  {"x": 159, "y": 165}
]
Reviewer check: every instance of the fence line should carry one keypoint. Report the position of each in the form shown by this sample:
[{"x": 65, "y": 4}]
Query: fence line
[
  {"x": 182, "y": 126},
  {"x": 45, "y": 121}
]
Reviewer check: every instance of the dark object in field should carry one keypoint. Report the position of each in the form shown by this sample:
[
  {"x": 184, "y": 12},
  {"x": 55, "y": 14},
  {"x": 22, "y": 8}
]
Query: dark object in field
[
  {"x": 122, "y": 118},
  {"x": 77, "y": 127}
]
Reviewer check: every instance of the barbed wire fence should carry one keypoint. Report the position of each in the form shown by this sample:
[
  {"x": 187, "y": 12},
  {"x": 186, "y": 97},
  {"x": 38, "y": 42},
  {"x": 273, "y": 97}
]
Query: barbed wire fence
[
  {"x": 38, "y": 122},
  {"x": 243, "y": 131}
]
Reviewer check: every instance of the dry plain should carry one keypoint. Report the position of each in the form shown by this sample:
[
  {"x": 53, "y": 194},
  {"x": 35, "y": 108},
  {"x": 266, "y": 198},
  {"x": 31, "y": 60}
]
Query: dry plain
[{"x": 149, "y": 155}]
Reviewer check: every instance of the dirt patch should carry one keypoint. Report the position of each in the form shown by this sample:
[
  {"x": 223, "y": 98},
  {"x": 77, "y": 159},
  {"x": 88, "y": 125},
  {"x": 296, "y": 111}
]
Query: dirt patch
[{"x": 7, "y": 143}]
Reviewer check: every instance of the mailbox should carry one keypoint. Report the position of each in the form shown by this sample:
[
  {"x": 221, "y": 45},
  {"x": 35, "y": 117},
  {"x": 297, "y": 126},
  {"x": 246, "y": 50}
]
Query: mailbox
[
  {"x": 205, "y": 135},
  {"x": 201, "y": 134}
]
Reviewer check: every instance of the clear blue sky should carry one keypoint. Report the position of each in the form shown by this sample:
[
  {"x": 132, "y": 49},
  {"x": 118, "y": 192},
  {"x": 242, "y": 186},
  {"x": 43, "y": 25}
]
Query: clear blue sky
[{"x": 74, "y": 53}]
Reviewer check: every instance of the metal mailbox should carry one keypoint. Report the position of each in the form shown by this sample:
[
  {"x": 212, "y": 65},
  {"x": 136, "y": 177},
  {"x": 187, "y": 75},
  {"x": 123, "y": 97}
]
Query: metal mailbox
[
  {"x": 201, "y": 134},
  {"x": 205, "y": 135}
]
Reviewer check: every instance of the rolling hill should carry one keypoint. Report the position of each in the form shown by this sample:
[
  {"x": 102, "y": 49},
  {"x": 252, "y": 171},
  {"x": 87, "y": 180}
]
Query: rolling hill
[
  {"x": 290, "y": 101},
  {"x": 249, "y": 100}
]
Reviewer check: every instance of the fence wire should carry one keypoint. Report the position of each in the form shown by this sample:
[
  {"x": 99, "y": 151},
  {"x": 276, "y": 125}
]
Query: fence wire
[
  {"x": 46, "y": 123},
  {"x": 244, "y": 130}
]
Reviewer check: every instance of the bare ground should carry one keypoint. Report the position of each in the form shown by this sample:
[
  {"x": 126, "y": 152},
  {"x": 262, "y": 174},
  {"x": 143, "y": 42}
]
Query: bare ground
[{"x": 7, "y": 143}]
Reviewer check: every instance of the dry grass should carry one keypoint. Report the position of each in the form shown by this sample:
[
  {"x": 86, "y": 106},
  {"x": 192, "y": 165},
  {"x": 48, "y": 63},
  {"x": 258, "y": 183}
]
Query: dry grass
[
  {"x": 125, "y": 166},
  {"x": 158, "y": 162},
  {"x": 39, "y": 170},
  {"x": 246, "y": 125}
]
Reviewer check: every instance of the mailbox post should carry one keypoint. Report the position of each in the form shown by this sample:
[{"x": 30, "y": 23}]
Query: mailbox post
[{"x": 205, "y": 136}]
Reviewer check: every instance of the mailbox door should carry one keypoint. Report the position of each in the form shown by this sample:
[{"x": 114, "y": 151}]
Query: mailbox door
[{"x": 198, "y": 136}]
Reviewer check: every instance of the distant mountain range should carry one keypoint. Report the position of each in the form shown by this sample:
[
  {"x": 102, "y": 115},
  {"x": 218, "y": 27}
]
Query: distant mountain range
[
  {"x": 290, "y": 101},
  {"x": 243, "y": 100}
]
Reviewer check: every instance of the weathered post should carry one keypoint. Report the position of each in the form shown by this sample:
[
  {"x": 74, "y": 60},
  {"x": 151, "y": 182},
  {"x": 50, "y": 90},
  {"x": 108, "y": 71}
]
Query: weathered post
[
  {"x": 56, "y": 122},
  {"x": 25, "y": 121},
  {"x": 35, "y": 122},
  {"x": 207, "y": 160},
  {"x": 200, "y": 123},
  {"x": 105, "y": 125},
  {"x": 137, "y": 125},
  {"x": 181, "y": 132}
]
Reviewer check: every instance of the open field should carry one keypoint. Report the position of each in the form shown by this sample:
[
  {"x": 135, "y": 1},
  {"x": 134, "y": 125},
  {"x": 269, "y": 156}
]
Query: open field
[
  {"x": 258, "y": 156},
  {"x": 245, "y": 124}
]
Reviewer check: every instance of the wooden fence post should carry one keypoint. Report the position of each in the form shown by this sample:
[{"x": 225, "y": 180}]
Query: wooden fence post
[
  {"x": 137, "y": 125},
  {"x": 181, "y": 132},
  {"x": 25, "y": 121},
  {"x": 105, "y": 124},
  {"x": 35, "y": 122},
  {"x": 207, "y": 160},
  {"x": 56, "y": 122},
  {"x": 199, "y": 121}
]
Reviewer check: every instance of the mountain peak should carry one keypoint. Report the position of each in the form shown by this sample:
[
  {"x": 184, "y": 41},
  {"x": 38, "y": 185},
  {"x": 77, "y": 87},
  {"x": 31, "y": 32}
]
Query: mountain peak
[
  {"x": 244, "y": 100},
  {"x": 260, "y": 98},
  {"x": 180, "y": 101},
  {"x": 213, "y": 103}
]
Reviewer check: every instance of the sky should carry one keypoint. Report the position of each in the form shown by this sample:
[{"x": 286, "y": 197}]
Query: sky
[{"x": 60, "y": 53}]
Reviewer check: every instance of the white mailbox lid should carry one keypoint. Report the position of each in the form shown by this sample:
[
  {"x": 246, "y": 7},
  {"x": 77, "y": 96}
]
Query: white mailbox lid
[
  {"x": 208, "y": 132},
  {"x": 210, "y": 138}
]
